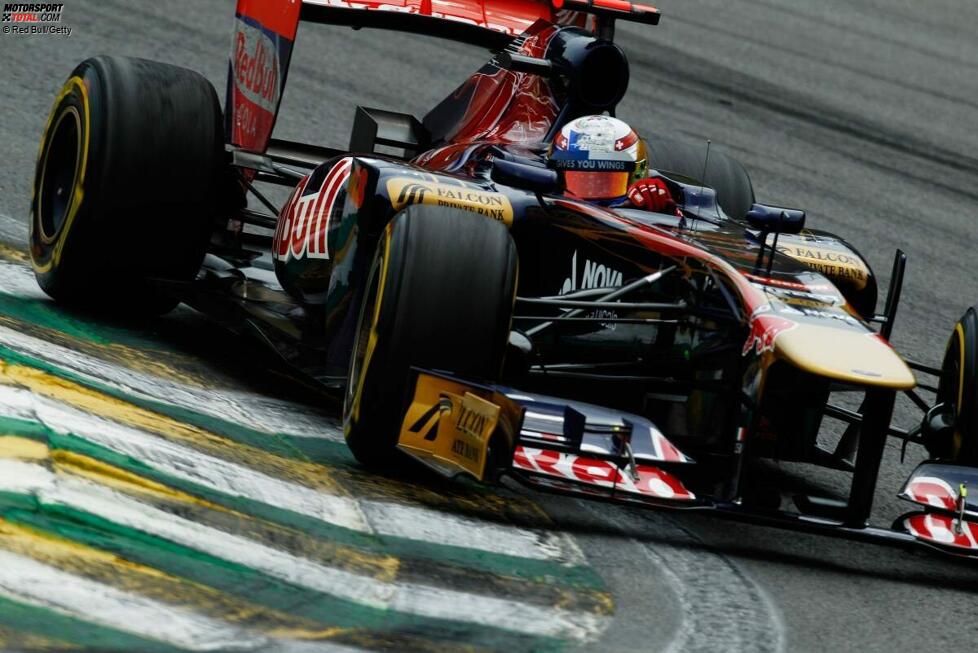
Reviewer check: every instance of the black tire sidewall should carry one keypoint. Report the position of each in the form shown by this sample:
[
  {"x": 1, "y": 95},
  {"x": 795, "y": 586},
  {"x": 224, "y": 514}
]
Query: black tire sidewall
[
  {"x": 432, "y": 318},
  {"x": 59, "y": 279},
  {"x": 966, "y": 411},
  {"x": 150, "y": 190}
]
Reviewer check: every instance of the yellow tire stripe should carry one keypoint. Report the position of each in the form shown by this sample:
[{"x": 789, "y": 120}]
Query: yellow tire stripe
[
  {"x": 79, "y": 193},
  {"x": 372, "y": 338}
]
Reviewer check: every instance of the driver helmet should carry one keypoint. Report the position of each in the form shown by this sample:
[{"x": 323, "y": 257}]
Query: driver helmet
[{"x": 598, "y": 157}]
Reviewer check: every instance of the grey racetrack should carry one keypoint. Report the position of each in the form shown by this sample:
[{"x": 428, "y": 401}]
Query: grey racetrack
[{"x": 862, "y": 112}]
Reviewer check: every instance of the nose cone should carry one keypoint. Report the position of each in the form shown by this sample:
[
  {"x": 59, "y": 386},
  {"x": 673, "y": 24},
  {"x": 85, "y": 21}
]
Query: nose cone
[{"x": 862, "y": 358}]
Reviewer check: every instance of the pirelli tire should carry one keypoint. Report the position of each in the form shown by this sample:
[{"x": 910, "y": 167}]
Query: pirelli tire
[
  {"x": 723, "y": 173},
  {"x": 958, "y": 390},
  {"x": 439, "y": 295},
  {"x": 127, "y": 185}
]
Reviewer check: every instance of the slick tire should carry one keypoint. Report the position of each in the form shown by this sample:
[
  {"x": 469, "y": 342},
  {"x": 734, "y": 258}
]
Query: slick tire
[
  {"x": 439, "y": 295},
  {"x": 958, "y": 388},
  {"x": 726, "y": 175},
  {"x": 127, "y": 184}
]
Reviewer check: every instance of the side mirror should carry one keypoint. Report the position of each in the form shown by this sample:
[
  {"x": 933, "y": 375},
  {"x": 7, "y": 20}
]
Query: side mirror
[
  {"x": 773, "y": 219},
  {"x": 522, "y": 175}
]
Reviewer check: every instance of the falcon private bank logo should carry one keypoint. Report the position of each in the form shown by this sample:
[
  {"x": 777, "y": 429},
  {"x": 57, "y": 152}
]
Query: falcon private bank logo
[{"x": 33, "y": 18}]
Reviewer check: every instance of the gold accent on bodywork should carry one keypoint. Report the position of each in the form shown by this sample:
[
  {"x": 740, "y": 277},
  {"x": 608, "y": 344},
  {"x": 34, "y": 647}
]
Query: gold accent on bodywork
[
  {"x": 450, "y": 424},
  {"x": 844, "y": 355},
  {"x": 404, "y": 191},
  {"x": 839, "y": 265}
]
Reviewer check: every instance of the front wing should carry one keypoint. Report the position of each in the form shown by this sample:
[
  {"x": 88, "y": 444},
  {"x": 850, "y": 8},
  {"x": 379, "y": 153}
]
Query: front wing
[{"x": 571, "y": 447}]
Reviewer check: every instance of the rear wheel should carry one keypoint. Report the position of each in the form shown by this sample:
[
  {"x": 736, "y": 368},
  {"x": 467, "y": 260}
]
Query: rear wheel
[
  {"x": 958, "y": 391},
  {"x": 440, "y": 296},
  {"x": 723, "y": 173},
  {"x": 127, "y": 185}
]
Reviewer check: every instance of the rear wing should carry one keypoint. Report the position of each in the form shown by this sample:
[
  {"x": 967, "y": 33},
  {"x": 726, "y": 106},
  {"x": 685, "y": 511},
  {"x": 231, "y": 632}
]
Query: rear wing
[
  {"x": 487, "y": 23},
  {"x": 265, "y": 32}
]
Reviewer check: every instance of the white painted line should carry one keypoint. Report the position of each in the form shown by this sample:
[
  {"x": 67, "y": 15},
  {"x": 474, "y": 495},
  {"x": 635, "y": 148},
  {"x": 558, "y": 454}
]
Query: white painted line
[
  {"x": 26, "y": 580},
  {"x": 411, "y": 522},
  {"x": 16, "y": 476},
  {"x": 721, "y": 608},
  {"x": 27, "y": 478},
  {"x": 437, "y": 526},
  {"x": 260, "y": 413},
  {"x": 19, "y": 280},
  {"x": 13, "y": 229},
  {"x": 185, "y": 463},
  {"x": 271, "y": 416}
]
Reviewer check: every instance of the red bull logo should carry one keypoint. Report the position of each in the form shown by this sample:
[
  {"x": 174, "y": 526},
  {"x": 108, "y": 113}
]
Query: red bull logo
[
  {"x": 764, "y": 330},
  {"x": 256, "y": 66},
  {"x": 304, "y": 223}
]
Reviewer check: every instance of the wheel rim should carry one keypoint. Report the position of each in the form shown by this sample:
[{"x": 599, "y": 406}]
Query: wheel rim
[{"x": 59, "y": 174}]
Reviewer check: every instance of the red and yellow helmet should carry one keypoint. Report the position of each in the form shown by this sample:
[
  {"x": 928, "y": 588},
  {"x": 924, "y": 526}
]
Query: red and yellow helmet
[{"x": 598, "y": 157}]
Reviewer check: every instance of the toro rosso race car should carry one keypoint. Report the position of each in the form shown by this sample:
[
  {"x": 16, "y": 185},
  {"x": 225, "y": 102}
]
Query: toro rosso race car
[{"x": 478, "y": 319}]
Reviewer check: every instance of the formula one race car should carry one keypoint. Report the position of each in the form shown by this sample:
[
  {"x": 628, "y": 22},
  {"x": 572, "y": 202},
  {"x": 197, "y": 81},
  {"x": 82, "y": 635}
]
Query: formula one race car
[{"x": 636, "y": 357}]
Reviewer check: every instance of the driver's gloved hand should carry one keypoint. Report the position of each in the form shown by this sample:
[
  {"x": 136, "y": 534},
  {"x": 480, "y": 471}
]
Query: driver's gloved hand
[{"x": 652, "y": 194}]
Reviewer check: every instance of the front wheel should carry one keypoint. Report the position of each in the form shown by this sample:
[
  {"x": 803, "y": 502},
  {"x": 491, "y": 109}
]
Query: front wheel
[
  {"x": 440, "y": 296},
  {"x": 958, "y": 391}
]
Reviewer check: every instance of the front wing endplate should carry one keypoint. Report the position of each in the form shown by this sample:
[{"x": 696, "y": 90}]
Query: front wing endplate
[{"x": 448, "y": 426}]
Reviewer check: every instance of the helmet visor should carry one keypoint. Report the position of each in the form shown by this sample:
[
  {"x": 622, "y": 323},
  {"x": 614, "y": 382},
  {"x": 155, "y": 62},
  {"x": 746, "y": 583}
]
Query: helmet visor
[{"x": 596, "y": 185}]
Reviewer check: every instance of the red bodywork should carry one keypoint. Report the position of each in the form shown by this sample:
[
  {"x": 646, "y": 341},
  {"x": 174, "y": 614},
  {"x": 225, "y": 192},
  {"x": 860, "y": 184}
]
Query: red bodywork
[{"x": 265, "y": 32}]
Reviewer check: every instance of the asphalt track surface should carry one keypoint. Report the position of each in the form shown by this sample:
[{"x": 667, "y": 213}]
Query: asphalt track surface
[{"x": 861, "y": 112}]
